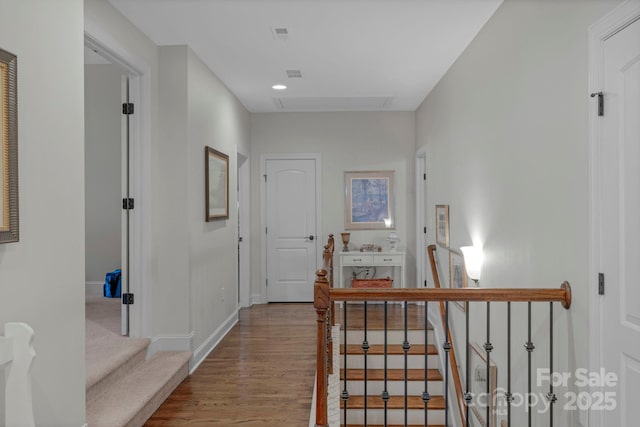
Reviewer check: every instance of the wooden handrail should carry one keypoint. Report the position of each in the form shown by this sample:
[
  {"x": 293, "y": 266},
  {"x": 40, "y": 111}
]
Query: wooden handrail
[
  {"x": 325, "y": 296},
  {"x": 457, "y": 382},
  {"x": 562, "y": 295},
  {"x": 321, "y": 303}
]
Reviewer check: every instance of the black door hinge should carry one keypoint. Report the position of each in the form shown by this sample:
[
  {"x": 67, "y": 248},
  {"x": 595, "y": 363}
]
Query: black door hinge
[
  {"x": 127, "y": 204},
  {"x": 425, "y": 230},
  {"x": 127, "y": 108},
  {"x": 127, "y": 299},
  {"x": 600, "y": 96},
  {"x": 600, "y": 283},
  {"x": 424, "y": 177}
]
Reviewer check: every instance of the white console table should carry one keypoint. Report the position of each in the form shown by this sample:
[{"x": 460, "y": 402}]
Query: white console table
[{"x": 373, "y": 259}]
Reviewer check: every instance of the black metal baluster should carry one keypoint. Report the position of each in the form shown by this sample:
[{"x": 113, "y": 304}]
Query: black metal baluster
[
  {"x": 467, "y": 395},
  {"x": 365, "y": 349},
  {"x": 447, "y": 348},
  {"x": 509, "y": 396},
  {"x": 385, "y": 392},
  {"x": 551, "y": 396},
  {"x": 530, "y": 347},
  {"x": 425, "y": 396},
  {"x": 345, "y": 394},
  {"x": 488, "y": 347},
  {"x": 405, "y": 347}
]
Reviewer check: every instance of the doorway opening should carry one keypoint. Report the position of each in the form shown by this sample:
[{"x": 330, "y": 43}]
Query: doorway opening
[
  {"x": 107, "y": 227},
  {"x": 244, "y": 224},
  {"x": 134, "y": 82}
]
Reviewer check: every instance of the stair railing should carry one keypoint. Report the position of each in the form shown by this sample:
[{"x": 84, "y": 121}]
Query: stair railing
[
  {"x": 325, "y": 296},
  {"x": 16, "y": 356},
  {"x": 452, "y": 360}
]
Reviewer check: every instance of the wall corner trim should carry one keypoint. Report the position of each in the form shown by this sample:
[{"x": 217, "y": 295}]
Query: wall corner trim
[
  {"x": 170, "y": 343},
  {"x": 212, "y": 342}
]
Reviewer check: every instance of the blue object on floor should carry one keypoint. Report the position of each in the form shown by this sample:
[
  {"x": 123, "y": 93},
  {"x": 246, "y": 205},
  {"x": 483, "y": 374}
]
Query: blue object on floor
[{"x": 113, "y": 284}]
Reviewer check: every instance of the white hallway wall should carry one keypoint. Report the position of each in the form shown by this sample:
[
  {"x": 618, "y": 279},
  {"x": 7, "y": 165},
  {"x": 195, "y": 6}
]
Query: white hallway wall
[
  {"x": 506, "y": 138},
  {"x": 42, "y": 276},
  {"x": 190, "y": 261},
  {"x": 347, "y": 141},
  {"x": 103, "y": 210},
  {"x": 200, "y": 292}
]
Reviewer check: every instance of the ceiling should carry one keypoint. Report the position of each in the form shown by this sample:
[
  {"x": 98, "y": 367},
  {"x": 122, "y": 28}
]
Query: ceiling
[{"x": 352, "y": 55}]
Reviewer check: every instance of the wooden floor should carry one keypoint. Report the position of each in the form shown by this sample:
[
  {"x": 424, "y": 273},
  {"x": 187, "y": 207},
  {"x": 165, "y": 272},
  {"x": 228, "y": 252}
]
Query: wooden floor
[{"x": 261, "y": 374}]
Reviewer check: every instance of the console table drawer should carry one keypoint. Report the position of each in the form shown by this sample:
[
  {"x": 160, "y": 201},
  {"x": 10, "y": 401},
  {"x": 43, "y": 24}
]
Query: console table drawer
[
  {"x": 387, "y": 260},
  {"x": 357, "y": 260}
]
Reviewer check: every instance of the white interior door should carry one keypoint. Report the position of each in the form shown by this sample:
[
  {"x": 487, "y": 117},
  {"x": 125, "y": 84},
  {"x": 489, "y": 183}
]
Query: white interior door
[
  {"x": 620, "y": 223},
  {"x": 126, "y": 213},
  {"x": 422, "y": 271},
  {"x": 291, "y": 229}
]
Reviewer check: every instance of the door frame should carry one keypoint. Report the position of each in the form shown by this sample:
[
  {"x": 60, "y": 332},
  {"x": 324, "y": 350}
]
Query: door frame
[
  {"x": 612, "y": 23},
  {"x": 263, "y": 210},
  {"x": 421, "y": 217},
  {"x": 97, "y": 38},
  {"x": 244, "y": 222}
]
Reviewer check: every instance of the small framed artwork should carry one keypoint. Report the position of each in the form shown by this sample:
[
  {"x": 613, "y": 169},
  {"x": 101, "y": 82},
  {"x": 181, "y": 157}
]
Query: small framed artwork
[
  {"x": 479, "y": 378},
  {"x": 442, "y": 225},
  {"x": 216, "y": 184},
  {"x": 457, "y": 274},
  {"x": 9, "y": 220},
  {"x": 369, "y": 203}
]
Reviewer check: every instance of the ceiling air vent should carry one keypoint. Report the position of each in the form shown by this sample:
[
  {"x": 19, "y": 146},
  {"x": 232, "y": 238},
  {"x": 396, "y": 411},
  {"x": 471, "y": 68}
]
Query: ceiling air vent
[
  {"x": 280, "y": 33},
  {"x": 294, "y": 74}
]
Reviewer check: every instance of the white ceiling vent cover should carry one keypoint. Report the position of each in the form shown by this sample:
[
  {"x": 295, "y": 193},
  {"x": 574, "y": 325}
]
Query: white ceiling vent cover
[
  {"x": 294, "y": 74},
  {"x": 280, "y": 33}
]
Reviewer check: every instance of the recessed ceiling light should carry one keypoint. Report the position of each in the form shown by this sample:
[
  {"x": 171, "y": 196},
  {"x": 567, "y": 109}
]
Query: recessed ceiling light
[{"x": 278, "y": 87}]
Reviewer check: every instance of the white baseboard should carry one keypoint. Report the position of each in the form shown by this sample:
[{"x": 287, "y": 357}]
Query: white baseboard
[
  {"x": 257, "y": 299},
  {"x": 210, "y": 343},
  {"x": 93, "y": 288},
  {"x": 170, "y": 343}
]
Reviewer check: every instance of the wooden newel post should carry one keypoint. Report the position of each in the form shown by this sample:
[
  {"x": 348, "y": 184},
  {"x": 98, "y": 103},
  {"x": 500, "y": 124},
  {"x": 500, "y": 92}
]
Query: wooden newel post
[{"x": 321, "y": 303}]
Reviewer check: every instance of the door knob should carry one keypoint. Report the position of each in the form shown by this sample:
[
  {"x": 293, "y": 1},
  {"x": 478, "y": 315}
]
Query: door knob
[{"x": 312, "y": 237}]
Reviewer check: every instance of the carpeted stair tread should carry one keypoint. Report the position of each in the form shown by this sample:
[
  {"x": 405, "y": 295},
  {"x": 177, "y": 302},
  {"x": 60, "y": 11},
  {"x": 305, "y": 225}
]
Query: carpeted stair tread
[
  {"x": 392, "y": 350},
  {"x": 133, "y": 399},
  {"x": 392, "y": 374},
  {"x": 395, "y": 402},
  {"x": 106, "y": 352}
]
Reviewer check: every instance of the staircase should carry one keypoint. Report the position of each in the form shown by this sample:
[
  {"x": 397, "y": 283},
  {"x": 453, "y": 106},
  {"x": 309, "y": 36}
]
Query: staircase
[
  {"x": 123, "y": 387},
  {"x": 395, "y": 370}
]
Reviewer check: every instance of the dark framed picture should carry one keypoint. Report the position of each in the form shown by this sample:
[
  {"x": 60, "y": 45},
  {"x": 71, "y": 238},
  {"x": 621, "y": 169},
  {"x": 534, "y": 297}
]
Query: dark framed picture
[
  {"x": 369, "y": 200},
  {"x": 216, "y": 184},
  {"x": 442, "y": 225},
  {"x": 9, "y": 220}
]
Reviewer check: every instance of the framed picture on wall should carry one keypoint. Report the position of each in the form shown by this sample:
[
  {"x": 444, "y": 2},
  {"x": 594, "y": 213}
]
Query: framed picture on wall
[
  {"x": 442, "y": 225},
  {"x": 9, "y": 220},
  {"x": 216, "y": 184},
  {"x": 369, "y": 203},
  {"x": 479, "y": 379},
  {"x": 457, "y": 274}
]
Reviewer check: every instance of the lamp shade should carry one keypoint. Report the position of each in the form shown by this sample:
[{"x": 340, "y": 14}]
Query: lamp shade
[{"x": 473, "y": 259}]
